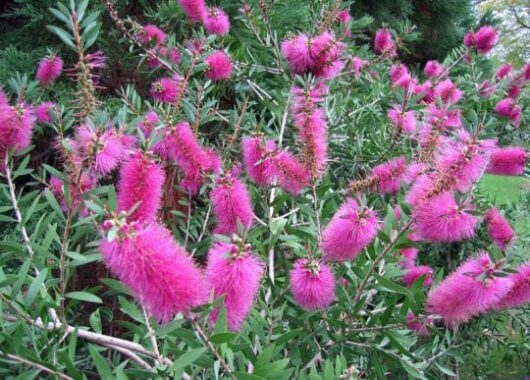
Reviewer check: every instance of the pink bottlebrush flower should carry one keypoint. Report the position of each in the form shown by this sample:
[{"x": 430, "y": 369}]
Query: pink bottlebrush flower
[
  {"x": 195, "y": 162},
  {"x": 409, "y": 257},
  {"x": 194, "y": 9},
  {"x": 389, "y": 174},
  {"x": 499, "y": 229},
  {"x": 468, "y": 291},
  {"x": 417, "y": 324},
  {"x": 448, "y": 92},
  {"x": 141, "y": 180},
  {"x": 305, "y": 101},
  {"x": 216, "y": 22},
  {"x": 149, "y": 33},
  {"x": 102, "y": 151},
  {"x": 413, "y": 170},
  {"x": 16, "y": 126},
  {"x": 519, "y": 294},
  {"x": 49, "y": 70},
  {"x": 325, "y": 56},
  {"x": 443, "y": 118},
  {"x": 384, "y": 44},
  {"x": 148, "y": 123},
  {"x": 160, "y": 273},
  {"x": 231, "y": 203},
  {"x": 350, "y": 230},
  {"x": 235, "y": 274},
  {"x": 508, "y": 108},
  {"x": 397, "y": 72},
  {"x": 507, "y": 161},
  {"x": 426, "y": 89},
  {"x": 172, "y": 56},
  {"x": 513, "y": 91},
  {"x": 292, "y": 175},
  {"x": 219, "y": 66},
  {"x": 485, "y": 39},
  {"x": 464, "y": 162},
  {"x": 257, "y": 156},
  {"x": 43, "y": 112},
  {"x": 312, "y": 284},
  {"x": 415, "y": 272},
  {"x": 433, "y": 69},
  {"x": 312, "y": 134},
  {"x": 403, "y": 121},
  {"x": 406, "y": 82},
  {"x": 97, "y": 60},
  {"x": 441, "y": 219},
  {"x": 503, "y": 71},
  {"x": 469, "y": 39},
  {"x": 296, "y": 53},
  {"x": 422, "y": 185},
  {"x": 525, "y": 71},
  {"x": 77, "y": 190},
  {"x": 344, "y": 16},
  {"x": 487, "y": 88},
  {"x": 357, "y": 65},
  {"x": 167, "y": 89}
]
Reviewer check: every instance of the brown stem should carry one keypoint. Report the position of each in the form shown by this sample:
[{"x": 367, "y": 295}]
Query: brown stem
[
  {"x": 38, "y": 366},
  {"x": 238, "y": 123}
]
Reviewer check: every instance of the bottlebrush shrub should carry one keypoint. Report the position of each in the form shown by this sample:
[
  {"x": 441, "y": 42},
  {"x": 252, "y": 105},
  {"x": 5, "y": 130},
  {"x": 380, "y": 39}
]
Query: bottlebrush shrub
[{"x": 279, "y": 202}]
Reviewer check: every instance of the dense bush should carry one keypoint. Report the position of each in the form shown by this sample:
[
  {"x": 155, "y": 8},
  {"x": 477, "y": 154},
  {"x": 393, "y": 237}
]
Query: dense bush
[{"x": 260, "y": 195}]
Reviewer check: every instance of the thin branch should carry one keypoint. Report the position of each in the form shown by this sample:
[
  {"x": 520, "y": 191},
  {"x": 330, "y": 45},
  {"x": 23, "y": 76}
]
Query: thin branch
[
  {"x": 40, "y": 367},
  {"x": 131, "y": 355},
  {"x": 151, "y": 334},
  {"x": 204, "y": 225}
]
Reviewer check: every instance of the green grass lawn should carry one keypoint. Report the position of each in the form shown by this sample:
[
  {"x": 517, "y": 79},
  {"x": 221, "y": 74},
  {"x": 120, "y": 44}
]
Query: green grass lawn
[{"x": 503, "y": 189}]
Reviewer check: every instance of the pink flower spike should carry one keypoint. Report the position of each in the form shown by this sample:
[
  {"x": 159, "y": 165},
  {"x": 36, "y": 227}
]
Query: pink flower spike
[
  {"x": 219, "y": 66},
  {"x": 350, "y": 230},
  {"x": 487, "y": 88},
  {"x": 433, "y": 69},
  {"x": 448, "y": 92},
  {"x": 470, "y": 290},
  {"x": 159, "y": 272},
  {"x": 235, "y": 274},
  {"x": 312, "y": 284},
  {"x": 500, "y": 231},
  {"x": 519, "y": 294},
  {"x": 485, "y": 39},
  {"x": 49, "y": 70},
  {"x": 148, "y": 124},
  {"x": 194, "y": 9},
  {"x": 415, "y": 272},
  {"x": 409, "y": 257},
  {"x": 16, "y": 126},
  {"x": 417, "y": 324},
  {"x": 326, "y": 55},
  {"x": 440, "y": 219},
  {"x": 508, "y": 108},
  {"x": 357, "y": 64},
  {"x": 397, "y": 72},
  {"x": 141, "y": 180},
  {"x": 403, "y": 121},
  {"x": 389, "y": 174},
  {"x": 172, "y": 58},
  {"x": 231, "y": 203},
  {"x": 43, "y": 112},
  {"x": 507, "y": 161},
  {"x": 216, "y": 22},
  {"x": 257, "y": 156},
  {"x": 383, "y": 43},
  {"x": 292, "y": 175},
  {"x": 166, "y": 90},
  {"x": 150, "y": 33},
  {"x": 503, "y": 71},
  {"x": 296, "y": 53}
]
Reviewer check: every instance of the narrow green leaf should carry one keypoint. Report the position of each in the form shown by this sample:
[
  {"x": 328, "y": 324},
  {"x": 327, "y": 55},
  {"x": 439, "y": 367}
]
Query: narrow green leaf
[
  {"x": 187, "y": 358},
  {"x": 101, "y": 364},
  {"x": 35, "y": 286},
  {"x": 84, "y": 296}
]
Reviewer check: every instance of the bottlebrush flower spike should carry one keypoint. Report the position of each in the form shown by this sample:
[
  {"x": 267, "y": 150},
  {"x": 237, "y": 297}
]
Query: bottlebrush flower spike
[
  {"x": 415, "y": 272},
  {"x": 441, "y": 219},
  {"x": 141, "y": 180},
  {"x": 344, "y": 18},
  {"x": 357, "y": 65},
  {"x": 503, "y": 71},
  {"x": 415, "y": 323},
  {"x": 403, "y": 120},
  {"x": 160, "y": 273},
  {"x": 350, "y": 230},
  {"x": 43, "y": 112},
  {"x": 423, "y": 184},
  {"x": 216, "y": 22},
  {"x": 384, "y": 44},
  {"x": 447, "y": 92},
  {"x": 433, "y": 69},
  {"x": 483, "y": 41},
  {"x": 468, "y": 291},
  {"x": 219, "y": 66},
  {"x": 49, "y": 70},
  {"x": 149, "y": 123},
  {"x": 84, "y": 184},
  {"x": 231, "y": 203},
  {"x": 167, "y": 89},
  {"x": 519, "y": 294},
  {"x": 312, "y": 284},
  {"x": 181, "y": 145},
  {"x": 151, "y": 33},
  {"x": 296, "y": 53},
  {"x": 102, "y": 151},
  {"x": 194, "y": 9},
  {"x": 257, "y": 156},
  {"x": 173, "y": 57},
  {"x": 443, "y": 118},
  {"x": 235, "y": 273},
  {"x": 397, "y": 72},
  {"x": 508, "y": 108},
  {"x": 389, "y": 174},
  {"x": 409, "y": 257},
  {"x": 16, "y": 126},
  {"x": 507, "y": 161},
  {"x": 292, "y": 175},
  {"x": 487, "y": 88},
  {"x": 499, "y": 229},
  {"x": 325, "y": 56}
]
